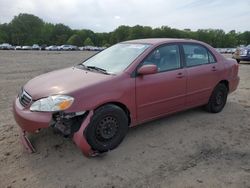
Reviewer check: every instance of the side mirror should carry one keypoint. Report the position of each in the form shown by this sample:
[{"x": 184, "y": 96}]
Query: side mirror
[{"x": 147, "y": 69}]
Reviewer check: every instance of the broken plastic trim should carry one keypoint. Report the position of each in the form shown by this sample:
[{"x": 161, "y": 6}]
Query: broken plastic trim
[
  {"x": 26, "y": 142},
  {"x": 68, "y": 123},
  {"x": 81, "y": 141}
]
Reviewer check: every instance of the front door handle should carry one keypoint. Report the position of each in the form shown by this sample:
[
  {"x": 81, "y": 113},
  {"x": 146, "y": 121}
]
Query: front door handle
[{"x": 180, "y": 75}]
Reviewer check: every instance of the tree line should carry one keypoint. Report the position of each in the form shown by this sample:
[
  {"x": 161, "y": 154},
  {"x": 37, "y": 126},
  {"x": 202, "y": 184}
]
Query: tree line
[{"x": 27, "y": 29}]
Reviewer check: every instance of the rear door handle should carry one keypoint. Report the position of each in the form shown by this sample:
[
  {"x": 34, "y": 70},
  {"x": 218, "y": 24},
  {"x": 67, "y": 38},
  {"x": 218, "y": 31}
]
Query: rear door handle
[
  {"x": 214, "y": 68},
  {"x": 180, "y": 75}
]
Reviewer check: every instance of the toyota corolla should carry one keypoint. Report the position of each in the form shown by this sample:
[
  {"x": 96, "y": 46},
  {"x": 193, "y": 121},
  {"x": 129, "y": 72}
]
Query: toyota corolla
[{"x": 95, "y": 102}]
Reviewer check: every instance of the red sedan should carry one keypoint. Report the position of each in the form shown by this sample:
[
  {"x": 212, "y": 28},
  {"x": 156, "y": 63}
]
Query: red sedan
[{"x": 127, "y": 84}]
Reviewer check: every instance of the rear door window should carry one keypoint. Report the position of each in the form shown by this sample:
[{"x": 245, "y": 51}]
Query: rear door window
[{"x": 195, "y": 55}]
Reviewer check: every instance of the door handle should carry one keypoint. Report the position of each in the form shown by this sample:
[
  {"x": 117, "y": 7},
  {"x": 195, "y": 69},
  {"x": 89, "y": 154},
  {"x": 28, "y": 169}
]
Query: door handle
[
  {"x": 214, "y": 68},
  {"x": 180, "y": 75}
]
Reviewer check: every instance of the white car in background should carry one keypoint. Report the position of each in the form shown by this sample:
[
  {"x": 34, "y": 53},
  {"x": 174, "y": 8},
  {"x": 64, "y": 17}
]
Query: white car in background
[
  {"x": 36, "y": 47},
  {"x": 52, "y": 48},
  {"x": 6, "y": 46},
  {"x": 67, "y": 47},
  {"x": 18, "y": 48},
  {"x": 27, "y": 48}
]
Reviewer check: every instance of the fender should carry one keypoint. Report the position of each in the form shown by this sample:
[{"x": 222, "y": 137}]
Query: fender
[{"x": 80, "y": 140}]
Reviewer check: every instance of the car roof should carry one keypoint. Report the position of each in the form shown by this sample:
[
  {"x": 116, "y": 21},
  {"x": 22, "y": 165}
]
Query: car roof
[{"x": 155, "y": 41}]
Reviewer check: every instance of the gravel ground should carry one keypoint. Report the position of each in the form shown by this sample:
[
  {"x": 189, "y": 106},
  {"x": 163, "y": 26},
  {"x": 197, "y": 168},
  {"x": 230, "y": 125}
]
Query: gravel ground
[{"x": 188, "y": 149}]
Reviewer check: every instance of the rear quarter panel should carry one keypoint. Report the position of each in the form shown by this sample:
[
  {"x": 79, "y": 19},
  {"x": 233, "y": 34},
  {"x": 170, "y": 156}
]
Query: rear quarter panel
[
  {"x": 228, "y": 69},
  {"x": 231, "y": 69}
]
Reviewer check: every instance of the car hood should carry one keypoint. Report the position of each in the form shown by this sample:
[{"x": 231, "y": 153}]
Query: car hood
[{"x": 64, "y": 81}]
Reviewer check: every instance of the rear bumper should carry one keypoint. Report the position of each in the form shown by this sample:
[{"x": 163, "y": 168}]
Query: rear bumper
[{"x": 30, "y": 121}]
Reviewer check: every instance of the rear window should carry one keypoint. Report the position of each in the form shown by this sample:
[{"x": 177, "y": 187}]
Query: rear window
[{"x": 196, "y": 54}]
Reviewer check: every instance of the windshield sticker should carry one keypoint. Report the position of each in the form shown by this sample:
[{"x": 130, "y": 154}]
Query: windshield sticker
[{"x": 137, "y": 46}]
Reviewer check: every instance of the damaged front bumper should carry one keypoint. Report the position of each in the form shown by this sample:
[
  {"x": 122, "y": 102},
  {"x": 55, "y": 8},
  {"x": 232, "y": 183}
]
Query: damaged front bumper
[
  {"x": 69, "y": 124},
  {"x": 28, "y": 146}
]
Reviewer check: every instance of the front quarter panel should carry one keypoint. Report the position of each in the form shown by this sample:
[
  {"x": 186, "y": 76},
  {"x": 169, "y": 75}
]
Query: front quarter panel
[{"x": 120, "y": 89}]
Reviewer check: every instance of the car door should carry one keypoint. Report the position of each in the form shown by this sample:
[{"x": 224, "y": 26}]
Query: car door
[
  {"x": 163, "y": 92},
  {"x": 201, "y": 69}
]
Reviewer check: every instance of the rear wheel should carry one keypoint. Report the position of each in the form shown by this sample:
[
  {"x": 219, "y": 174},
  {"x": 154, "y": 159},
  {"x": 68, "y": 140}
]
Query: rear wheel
[
  {"x": 107, "y": 128},
  {"x": 218, "y": 99}
]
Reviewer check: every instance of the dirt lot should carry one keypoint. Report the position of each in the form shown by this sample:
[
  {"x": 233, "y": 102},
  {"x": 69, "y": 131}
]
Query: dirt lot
[{"x": 189, "y": 149}]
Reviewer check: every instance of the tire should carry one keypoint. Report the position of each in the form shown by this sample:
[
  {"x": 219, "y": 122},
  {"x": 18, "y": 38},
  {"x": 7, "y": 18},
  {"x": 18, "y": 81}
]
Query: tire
[
  {"x": 107, "y": 128},
  {"x": 218, "y": 99}
]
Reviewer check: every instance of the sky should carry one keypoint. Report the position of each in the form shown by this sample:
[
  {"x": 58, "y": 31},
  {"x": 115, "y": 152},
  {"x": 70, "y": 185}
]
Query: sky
[{"x": 106, "y": 15}]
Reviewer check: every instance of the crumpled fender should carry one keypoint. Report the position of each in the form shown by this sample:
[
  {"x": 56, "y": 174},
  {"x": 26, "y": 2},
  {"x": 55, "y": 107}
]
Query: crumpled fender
[{"x": 80, "y": 139}]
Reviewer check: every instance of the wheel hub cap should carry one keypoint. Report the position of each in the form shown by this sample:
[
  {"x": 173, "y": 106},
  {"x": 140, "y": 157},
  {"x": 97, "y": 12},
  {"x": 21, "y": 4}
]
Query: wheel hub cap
[
  {"x": 219, "y": 98},
  {"x": 107, "y": 128}
]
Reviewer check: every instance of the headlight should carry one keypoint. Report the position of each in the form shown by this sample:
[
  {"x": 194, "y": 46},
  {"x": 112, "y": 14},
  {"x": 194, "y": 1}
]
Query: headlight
[{"x": 52, "y": 103}]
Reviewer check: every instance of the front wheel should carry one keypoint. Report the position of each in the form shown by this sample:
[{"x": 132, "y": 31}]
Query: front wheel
[
  {"x": 107, "y": 128},
  {"x": 218, "y": 99}
]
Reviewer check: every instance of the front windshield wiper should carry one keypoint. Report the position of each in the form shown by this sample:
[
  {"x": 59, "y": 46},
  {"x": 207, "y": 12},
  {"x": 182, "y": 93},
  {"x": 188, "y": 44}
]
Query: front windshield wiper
[
  {"x": 97, "y": 69},
  {"x": 91, "y": 68}
]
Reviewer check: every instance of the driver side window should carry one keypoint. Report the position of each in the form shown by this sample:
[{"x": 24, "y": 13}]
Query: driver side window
[{"x": 165, "y": 58}]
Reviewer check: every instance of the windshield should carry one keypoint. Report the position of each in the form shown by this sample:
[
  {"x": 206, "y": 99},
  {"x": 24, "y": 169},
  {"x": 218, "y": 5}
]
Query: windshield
[{"x": 116, "y": 58}]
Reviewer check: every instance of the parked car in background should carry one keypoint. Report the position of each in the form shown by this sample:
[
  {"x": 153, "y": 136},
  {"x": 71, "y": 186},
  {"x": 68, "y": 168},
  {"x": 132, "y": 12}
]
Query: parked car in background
[
  {"x": 92, "y": 48},
  {"x": 230, "y": 50},
  {"x": 127, "y": 84},
  {"x": 6, "y": 46},
  {"x": 74, "y": 47},
  {"x": 218, "y": 50},
  {"x": 43, "y": 47},
  {"x": 242, "y": 53},
  {"x": 36, "y": 47},
  {"x": 18, "y": 48},
  {"x": 226, "y": 50},
  {"x": 26, "y": 48},
  {"x": 223, "y": 50},
  {"x": 67, "y": 47},
  {"x": 52, "y": 48}
]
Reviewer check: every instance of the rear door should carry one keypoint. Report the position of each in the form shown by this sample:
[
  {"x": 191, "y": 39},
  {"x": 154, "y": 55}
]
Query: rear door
[
  {"x": 202, "y": 73},
  {"x": 163, "y": 92}
]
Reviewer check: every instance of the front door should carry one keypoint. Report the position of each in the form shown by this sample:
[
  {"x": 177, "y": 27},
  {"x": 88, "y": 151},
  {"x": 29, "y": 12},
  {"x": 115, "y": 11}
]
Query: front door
[{"x": 163, "y": 92}]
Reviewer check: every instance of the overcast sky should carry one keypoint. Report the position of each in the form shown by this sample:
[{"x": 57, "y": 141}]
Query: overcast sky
[{"x": 106, "y": 15}]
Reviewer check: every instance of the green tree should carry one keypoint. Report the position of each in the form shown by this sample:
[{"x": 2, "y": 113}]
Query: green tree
[
  {"x": 88, "y": 42},
  {"x": 26, "y": 29},
  {"x": 120, "y": 34},
  {"x": 136, "y": 32},
  {"x": 75, "y": 40},
  {"x": 47, "y": 34},
  {"x": 244, "y": 38},
  {"x": 61, "y": 34},
  {"x": 4, "y": 36}
]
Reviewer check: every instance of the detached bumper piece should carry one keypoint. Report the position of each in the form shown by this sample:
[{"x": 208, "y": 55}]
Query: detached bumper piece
[
  {"x": 26, "y": 142},
  {"x": 81, "y": 141}
]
